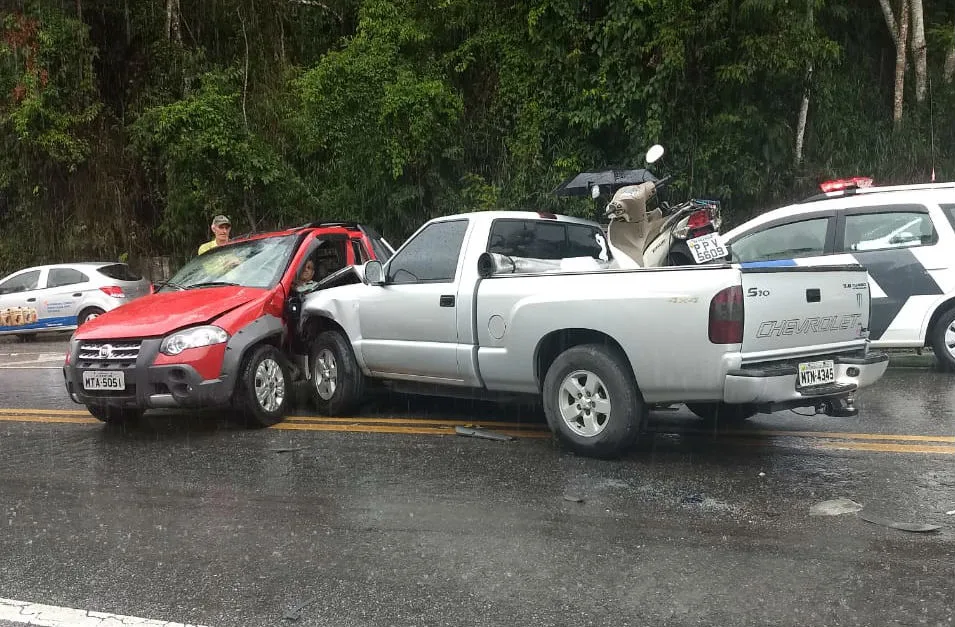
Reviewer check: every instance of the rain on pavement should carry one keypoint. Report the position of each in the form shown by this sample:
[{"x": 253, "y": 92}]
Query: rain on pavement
[{"x": 390, "y": 519}]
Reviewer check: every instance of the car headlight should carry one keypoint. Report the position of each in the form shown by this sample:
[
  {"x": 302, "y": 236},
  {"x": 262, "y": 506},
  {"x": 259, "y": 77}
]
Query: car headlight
[{"x": 193, "y": 338}]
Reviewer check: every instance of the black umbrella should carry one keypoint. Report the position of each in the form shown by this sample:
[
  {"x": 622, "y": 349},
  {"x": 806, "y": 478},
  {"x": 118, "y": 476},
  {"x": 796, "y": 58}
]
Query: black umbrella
[{"x": 608, "y": 180}]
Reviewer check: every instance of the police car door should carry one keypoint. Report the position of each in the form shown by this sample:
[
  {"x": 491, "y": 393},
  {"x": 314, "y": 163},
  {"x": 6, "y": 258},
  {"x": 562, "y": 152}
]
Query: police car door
[{"x": 896, "y": 243}]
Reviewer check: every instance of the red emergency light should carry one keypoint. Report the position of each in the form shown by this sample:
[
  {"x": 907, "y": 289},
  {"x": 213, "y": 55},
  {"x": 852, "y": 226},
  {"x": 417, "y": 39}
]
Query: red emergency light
[{"x": 838, "y": 185}]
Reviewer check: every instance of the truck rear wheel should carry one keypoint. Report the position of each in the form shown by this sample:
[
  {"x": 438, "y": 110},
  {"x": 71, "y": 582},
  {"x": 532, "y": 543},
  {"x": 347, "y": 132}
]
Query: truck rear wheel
[
  {"x": 264, "y": 387},
  {"x": 338, "y": 383},
  {"x": 592, "y": 402},
  {"x": 943, "y": 341},
  {"x": 115, "y": 415},
  {"x": 725, "y": 413}
]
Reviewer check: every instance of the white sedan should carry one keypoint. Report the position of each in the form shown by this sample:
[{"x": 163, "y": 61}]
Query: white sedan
[{"x": 63, "y": 296}]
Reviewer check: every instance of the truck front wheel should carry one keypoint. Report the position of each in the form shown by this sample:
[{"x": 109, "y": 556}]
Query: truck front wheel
[
  {"x": 592, "y": 402},
  {"x": 337, "y": 380}
]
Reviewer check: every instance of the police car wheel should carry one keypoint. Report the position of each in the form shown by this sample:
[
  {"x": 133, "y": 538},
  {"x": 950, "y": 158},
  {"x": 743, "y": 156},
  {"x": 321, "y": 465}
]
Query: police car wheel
[{"x": 943, "y": 340}]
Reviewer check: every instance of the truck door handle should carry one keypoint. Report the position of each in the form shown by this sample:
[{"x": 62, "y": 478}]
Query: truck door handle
[
  {"x": 77, "y": 295},
  {"x": 31, "y": 300},
  {"x": 447, "y": 300},
  {"x": 813, "y": 295}
]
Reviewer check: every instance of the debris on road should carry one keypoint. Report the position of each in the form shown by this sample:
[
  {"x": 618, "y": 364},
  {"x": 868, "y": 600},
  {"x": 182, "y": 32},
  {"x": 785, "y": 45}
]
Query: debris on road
[
  {"x": 951, "y": 513},
  {"x": 573, "y": 499},
  {"x": 487, "y": 434},
  {"x": 295, "y": 612},
  {"x": 835, "y": 507},
  {"x": 289, "y": 450},
  {"x": 904, "y": 526},
  {"x": 693, "y": 498}
]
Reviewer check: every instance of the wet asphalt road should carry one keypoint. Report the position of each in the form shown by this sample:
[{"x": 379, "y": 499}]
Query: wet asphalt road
[{"x": 190, "y": 519}]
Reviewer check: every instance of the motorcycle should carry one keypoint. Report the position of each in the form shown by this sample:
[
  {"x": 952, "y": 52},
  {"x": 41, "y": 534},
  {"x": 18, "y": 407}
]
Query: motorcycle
[{"x": 668, "y": 235}]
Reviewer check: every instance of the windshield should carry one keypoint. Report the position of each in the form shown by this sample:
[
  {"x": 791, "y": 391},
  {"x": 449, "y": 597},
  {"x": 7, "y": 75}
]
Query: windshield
[{"x": 257, "y": 263}]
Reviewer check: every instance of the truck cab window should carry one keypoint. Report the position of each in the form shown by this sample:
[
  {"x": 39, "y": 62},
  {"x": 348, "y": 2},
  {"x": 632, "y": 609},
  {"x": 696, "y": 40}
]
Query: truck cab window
[
  {"x": 431, "y": 256},
  {"x": 546, "y": 239}
]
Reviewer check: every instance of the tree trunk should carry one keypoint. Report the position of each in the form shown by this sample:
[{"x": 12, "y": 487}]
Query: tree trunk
[
  {"x": 173, "y": 32},
  {"x": 79, "y": 10},
  {"x": 900, "y": 60},
  {"x": 918, "y": 50},
  {"x": 949, "y": 71},
  {"x": 804, "y": 107},
  {"x": 890, "y": 21},
  {"x": 803, "y": 114}
]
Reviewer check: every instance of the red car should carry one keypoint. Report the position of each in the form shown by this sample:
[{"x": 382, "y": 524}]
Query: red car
[{"x": 219, "y": 332}]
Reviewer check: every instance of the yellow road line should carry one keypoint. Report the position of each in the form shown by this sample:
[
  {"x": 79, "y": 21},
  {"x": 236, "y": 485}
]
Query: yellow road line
[
  {"x": 366, "y": 428},
  {"x": 887, "y": 448},
  {"x": 49, "y": 419},
  {"x": 426, "y": 426},
  {"x": 70, "y": 412},
  {"x": 418, "y": 421},
  {"x": 842, "y": 446},
  {"x": 851, "y": 436}
]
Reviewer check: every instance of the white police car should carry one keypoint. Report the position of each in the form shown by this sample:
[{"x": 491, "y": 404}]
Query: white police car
[{"x": 904, "y": 235}]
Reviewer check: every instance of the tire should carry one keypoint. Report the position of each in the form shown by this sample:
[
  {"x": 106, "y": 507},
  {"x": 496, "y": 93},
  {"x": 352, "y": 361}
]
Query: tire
[
  {"x": 943, "y": 341},
  {"x": 337, "y": 383},
  {"x": 112, "y": 415},
  {"x": 604, "y": 375},
  {"x": 88, "y": 314},
  {"x": 264, "y": 389},
  {"x": 726, "y": 413}
]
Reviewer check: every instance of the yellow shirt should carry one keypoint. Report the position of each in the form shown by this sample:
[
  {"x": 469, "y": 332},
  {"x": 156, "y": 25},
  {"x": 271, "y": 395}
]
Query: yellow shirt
[{"x": 208, "y": 246}]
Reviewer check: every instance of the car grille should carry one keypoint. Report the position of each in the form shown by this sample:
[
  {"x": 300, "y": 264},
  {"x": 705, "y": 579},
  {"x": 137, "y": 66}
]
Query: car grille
[{"x": 109, "y": 354}]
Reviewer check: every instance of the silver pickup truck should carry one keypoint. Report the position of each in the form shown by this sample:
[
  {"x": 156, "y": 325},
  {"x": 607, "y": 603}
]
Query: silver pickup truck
[{"x": 505, "y": 302}]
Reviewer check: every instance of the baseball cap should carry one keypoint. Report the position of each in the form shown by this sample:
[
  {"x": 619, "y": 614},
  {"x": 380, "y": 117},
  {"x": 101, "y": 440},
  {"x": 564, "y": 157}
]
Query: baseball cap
[{"x": 221, "y": 219}]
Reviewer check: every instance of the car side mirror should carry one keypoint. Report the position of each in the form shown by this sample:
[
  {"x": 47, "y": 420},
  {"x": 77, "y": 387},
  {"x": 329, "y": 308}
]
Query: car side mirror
[{"x": 374, "y": 273}]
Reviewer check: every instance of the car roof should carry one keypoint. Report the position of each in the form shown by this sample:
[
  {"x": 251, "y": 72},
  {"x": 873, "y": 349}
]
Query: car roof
[
  {"x": 68, "y": 264},
  {"x": 494, "y": 214},
  {"x": 928, "y": 194},
  {"x": 348, "y": 228}
]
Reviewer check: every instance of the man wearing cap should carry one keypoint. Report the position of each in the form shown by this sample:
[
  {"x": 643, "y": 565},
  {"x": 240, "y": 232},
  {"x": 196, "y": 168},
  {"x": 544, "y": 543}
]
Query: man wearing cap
[{"x": 221, "y": 227}]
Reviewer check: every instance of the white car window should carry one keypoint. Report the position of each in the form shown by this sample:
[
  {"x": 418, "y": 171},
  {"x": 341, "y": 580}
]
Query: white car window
[
  {"x": 21, "y": 282},
  {"x": 60, "y": 277},
  {"x": 786, "y": 241},
  {"x": 884, "y": 230}
]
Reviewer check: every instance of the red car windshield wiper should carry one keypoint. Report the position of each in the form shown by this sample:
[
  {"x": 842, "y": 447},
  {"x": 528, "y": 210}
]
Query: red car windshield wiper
[{"x": 211, "y": 284}]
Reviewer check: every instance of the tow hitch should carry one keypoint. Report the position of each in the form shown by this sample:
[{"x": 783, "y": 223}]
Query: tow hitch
[{"x": 839, "y": 407}]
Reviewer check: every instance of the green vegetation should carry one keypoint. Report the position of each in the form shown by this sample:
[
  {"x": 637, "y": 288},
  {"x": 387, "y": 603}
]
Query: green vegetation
[{"x": 125, "y": 125}]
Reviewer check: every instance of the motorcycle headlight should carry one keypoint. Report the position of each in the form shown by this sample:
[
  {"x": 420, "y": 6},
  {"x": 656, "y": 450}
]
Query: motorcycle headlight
[{"x": 193, "y": 338}]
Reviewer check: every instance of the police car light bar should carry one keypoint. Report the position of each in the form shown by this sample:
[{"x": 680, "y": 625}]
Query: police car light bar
[{"x": 839, "y": 185}]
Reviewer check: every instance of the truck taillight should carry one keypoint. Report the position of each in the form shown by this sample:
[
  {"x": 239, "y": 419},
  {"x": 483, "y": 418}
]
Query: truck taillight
[
  {"x": 726, "y": 316},
  {"x": 113, "y": 290}
]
